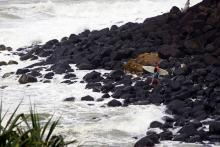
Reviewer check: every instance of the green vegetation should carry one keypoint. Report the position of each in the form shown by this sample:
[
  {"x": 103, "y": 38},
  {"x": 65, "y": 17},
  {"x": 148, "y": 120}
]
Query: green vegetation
[{"x": 21, "y": 131}]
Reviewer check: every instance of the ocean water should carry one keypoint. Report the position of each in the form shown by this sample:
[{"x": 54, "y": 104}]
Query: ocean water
[
  {"x": 24, "y": 22},
  {"x": 90, "y": 123}
]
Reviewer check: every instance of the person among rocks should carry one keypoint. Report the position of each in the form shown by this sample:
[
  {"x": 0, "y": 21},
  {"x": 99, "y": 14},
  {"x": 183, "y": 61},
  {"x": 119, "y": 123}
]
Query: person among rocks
[{"x": 155, "y": 81}]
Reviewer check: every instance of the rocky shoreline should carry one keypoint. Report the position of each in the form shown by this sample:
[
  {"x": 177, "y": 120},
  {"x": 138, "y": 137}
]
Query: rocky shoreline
[{"x": 191, "y": 92}]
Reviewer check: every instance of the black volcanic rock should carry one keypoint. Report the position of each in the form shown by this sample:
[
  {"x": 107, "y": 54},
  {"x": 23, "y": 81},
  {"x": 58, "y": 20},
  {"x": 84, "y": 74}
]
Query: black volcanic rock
[
  {"x": 49, "y": 75},
  {"x": 92, "y": 76},
  {"x": 169, "y": 51},
  {"x": 116, "y": 75},
  {"x": 156, "y": 124},
  {"x": 27, "y": 79},
  {"x": 188, "y": 130},
  {"x": 166, "y": 135},
  {"x": 87, "y": 98},
  {"x": 22, "y": 71},
  {"x": 61, "y": 67},
  {"x": 69, "y": 76},
  {"x": 144, "y": 142},
  {"x": 2, "y": 63},
  {"x": 106, "y": 95},
  {"x": 114, "y": 103},
  {"x": 35, "y": 73},
  {"x": 69, "y": 99},
  {"x": 85, "y": 66},
  {"x": 214, "y": 128}
]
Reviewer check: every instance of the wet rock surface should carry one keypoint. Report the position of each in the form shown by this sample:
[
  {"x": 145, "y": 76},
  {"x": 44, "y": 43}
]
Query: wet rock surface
[{"x": 27, "y": 79}]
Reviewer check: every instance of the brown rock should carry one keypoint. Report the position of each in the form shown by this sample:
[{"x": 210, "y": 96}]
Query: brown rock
[
  {"x": 135, "y": 65},
  {"x": 12, "y": 62},
  {"x": 2, "y": 48},
  {"x": 27, "y": 79},
  {"x": 7, "y": 74},
  {"x": 2, "y": 63}
]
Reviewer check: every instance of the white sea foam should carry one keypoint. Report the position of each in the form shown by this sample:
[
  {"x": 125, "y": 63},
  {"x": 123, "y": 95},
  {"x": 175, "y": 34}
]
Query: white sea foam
[
  {"x": 85, "y": 121},
  {"x": 25, "y": 23}
]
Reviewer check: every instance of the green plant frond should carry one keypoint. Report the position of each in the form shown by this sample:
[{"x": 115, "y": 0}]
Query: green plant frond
[
  {"x": 14, "y": 122},
  {"x": 45, "y": 127},
  {"x": 25, "y": 121},
  {"x": 69, "y": 142},
  {"x": 52, "y": 127},
  {"x": 11, "y": 117},
  {"x": 2, "y": 118}
]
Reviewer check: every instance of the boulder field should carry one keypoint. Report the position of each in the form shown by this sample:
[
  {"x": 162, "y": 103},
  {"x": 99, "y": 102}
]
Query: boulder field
[{"x": 188, "y": 44}]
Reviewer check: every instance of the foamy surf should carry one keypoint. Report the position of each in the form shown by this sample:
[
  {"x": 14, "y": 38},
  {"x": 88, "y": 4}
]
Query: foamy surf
[
  {"x": 45, "y": 20},
  {"x": 89, "y": 122}
]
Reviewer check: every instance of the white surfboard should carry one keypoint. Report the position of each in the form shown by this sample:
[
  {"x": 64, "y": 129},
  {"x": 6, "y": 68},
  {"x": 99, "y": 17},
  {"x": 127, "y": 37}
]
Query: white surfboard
[{"x": 151, "y": 70}]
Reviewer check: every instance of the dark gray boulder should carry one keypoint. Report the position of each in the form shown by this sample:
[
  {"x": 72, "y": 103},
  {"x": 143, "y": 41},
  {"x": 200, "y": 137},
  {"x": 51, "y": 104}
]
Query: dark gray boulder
[
  {"x": 2, "y": 63},
  {"x": 22, "y": 71},
  {"x": 27, "y": 79},
  {"x": 114, "y": 103},
  {"x": 144, "y": 142},
  {"x": 214, "y": 127},
  {"x": 69, "y": 99},
  {"x": 87, "y": 98}
]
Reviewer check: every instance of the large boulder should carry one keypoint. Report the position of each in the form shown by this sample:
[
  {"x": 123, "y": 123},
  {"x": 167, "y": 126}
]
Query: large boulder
[
  {"x": 12, "y": 62},
  {"x": 144, "y": 142},
  {"x": 27, "y": 56},
  {"x": 156, "y": 124},
  {"x": 188, "y": 130},
  {"x": 7, "y": 74},
  {"x": 22, "y": 71},
  {"x": 166, "y": 135},
  {"x": 2, "y": 63},
  {"x": 106, "y": 95},
  {"x": 175, "y": 85},
  {"x": 135, "y": 65},
  {"x": 107, "y": 87},
  {"x": 174, "y": 13},
  {"x": 69, "y": 76},
  {"x": 176, "y": 106},
  {"x": 92, "y": 76},
  {"x": 49, "y": 75},
  {"x": 61, "y": 67},
  {"x": 214, "y": 127},
  {"x": 35, "y": 73},
  {"x": 87, "y": 98},
  {"x": 114, "y": 103},
  {"x": 85, "y": 66},
  {"x": 69, "y": 99},
  {"x": 116, "y": 75},
  {"x": 50, "y": 43},
  {"x": 2, "y": 47},
  {"x": 167, "y": 51},
  {"x": 27, "y": 79}
]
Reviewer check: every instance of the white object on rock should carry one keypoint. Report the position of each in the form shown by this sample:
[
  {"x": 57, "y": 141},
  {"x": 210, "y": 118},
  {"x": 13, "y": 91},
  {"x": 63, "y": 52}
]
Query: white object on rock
[
  {"x": 151, "y": 70},
  {"x": 186, "y": 7}
]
